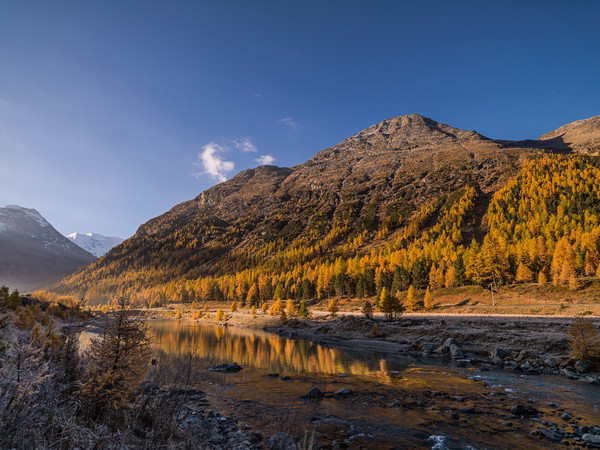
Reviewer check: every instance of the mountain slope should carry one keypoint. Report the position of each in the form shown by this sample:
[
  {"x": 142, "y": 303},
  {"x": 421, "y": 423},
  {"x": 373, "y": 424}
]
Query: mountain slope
[
  {"x": 94, "y": 243},
  {"x": 32, "y": 252},
  {"x": 377, "y": 191},
  {"x": 580, "y": 136}
]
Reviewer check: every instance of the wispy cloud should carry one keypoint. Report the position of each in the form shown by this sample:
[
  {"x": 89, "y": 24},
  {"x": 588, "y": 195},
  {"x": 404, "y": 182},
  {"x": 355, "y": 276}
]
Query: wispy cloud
[
  {"x": 290, "y": 122},
  {"x": 245, "y": 145},
  {"x": 265, "y": 160},
  {"x": 257, "y": 95},
  {"x": 212, "y": 163}
]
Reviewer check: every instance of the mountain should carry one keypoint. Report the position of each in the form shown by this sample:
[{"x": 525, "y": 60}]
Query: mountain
[
  {"x": 32, "y": 252},
  {"x": 403, "y": 187},
  {"x": 94, "y": 243},
  {"x": 580, "y": 136}
]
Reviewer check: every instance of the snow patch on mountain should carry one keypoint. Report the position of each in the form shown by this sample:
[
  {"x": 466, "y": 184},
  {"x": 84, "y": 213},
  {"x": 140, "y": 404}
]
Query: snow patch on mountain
[{"x": 94, "y": 243}]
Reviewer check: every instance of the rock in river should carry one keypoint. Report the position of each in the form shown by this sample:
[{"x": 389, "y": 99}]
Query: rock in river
[
  {"x": 344, "y": 391},
  {"x": 523, "y": 410},
  {"x": 314, "y": 393},
  {"x": 228, "y": 367}
]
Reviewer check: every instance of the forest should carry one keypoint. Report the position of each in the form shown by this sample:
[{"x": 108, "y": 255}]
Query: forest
[{"x": 542, "y": 227}]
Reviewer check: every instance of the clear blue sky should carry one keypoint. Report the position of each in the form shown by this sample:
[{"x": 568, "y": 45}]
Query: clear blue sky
[{"x": 112, "y": 112}]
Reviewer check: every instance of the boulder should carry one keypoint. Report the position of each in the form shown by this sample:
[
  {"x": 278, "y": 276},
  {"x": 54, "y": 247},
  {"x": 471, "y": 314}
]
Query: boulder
[
  {"x": 583, "y": 366},
  {"x": 467, "y": 410},
  {"x": 551, "y": 362},
  {"x": 282, "y": 441},
  {"x": 345, "y": 391},
  {"x": 444, "y": 349},
  {"x": 427, "y": 348},
  {"x": 550, "y": 435},
  {"x": 497, "y": 355},
  {"x": 448, "y": 342},
  {"x": 456, "y": 352},
  {"x": 523, "y": 410},
  {"x": 314, "y": 393},
  {"x": 593, "y": 438},
  {"x": 227, "y": 367}
]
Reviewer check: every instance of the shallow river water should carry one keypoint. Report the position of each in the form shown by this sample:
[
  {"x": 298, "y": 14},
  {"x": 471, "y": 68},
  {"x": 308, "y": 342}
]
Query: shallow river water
[{"x": 397, "y": 402}]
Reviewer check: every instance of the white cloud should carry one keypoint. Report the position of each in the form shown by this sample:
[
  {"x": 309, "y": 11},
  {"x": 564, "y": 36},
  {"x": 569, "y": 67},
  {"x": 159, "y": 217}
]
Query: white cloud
[
  {"x": 265, "y": 160},
  {"x": 245, "y": 145},
  {"x": 289, "y": 122},
  {"x": 212, "y": 163}
]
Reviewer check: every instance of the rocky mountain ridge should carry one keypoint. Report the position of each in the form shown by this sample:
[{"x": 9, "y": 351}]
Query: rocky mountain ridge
[{"x": 32, "y": 252}]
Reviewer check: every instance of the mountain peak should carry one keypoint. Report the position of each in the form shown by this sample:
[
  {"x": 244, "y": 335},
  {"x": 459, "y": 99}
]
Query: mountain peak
[
  {"x": 581, "y": 136},
  {"x": 94, "y": 243},
  {"x": 421, "y": 129},
  {"x": 33, "y": 252}
]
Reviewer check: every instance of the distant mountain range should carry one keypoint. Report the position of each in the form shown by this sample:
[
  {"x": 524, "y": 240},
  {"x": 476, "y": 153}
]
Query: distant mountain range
[
  {"x": 408, "y": 195},
  {"x": 32, "y": 252},
  {"x": 94, "y": 243}
]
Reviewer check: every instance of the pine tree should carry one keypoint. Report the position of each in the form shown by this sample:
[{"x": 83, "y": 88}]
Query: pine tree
[
  {"x": 524, "y": 274},
  {"x": 233, "y": 307},
  {"x": 411, "y": 298},
  {"x": 253, "y": 311},
  {"x": 428, "y": 299},
  {"x": 302, "y": 309},
  {"x": 573, "y": 283},
  {"x": 367, "y": 309},
  {"x": 290, "y": 308},
  {"x": 220, "y": 315},
  {"x": 276, "y": 308},
  {"x": 333, "y": 308},
  {"x": 116, "y": 363},
  {"x": 542, "y": 280}
]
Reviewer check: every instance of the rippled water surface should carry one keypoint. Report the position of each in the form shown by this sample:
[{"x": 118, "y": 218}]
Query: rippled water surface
[{"x": 398, "y": 402}]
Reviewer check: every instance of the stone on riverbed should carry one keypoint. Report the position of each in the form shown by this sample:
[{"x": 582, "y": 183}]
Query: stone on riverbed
[
  {"x": 456, "y": 352},
  {"x": 524, "y": 410},
  {"x": 548, "y": 434},
  {"x": 593, "y": 438},
  {"x": 497, "y": 355},
  {"x": 583, "y": 366},
  {"x": 344, "y": 391},
  {"x": 227, "y": 367},
  {"x": 314, "y": 393}
]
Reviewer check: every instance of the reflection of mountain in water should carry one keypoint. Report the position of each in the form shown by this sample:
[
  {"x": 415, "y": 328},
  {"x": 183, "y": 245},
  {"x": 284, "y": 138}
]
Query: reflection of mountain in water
[{"x": 262, "y": 350}]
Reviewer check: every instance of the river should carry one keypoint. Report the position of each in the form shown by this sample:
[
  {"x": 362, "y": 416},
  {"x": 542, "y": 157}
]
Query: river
[{"x": 397, "y": 402}]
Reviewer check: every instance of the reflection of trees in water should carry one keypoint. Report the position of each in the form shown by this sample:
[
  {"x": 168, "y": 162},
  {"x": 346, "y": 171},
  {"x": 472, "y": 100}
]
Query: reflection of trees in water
[{"x": 254, "y": 348}]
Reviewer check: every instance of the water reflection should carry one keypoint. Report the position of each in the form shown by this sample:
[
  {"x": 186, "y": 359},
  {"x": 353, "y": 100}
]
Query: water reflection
[{"x": 266, "y": 351}]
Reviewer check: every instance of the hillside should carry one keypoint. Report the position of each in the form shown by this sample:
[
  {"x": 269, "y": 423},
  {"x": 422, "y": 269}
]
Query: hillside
[
  {"x": 32, "y": 252},
  {"x": 396, "y": 204}
]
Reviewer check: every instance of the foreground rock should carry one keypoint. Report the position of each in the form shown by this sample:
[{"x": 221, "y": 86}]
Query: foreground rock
[
  {"x": 228, "y": 367},
  {"x": 314, "y": 393}
]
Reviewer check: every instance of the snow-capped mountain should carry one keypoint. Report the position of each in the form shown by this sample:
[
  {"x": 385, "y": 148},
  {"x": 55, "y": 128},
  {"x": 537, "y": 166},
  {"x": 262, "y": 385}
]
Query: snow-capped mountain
[
  {"x": 97, "y": 244},
  {"x": 32, "y": 252}
]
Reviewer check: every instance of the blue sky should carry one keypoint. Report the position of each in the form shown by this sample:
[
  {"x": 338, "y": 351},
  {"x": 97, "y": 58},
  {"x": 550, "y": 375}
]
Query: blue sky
[{"x": 112, "y": 112}]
